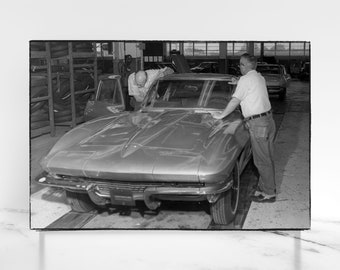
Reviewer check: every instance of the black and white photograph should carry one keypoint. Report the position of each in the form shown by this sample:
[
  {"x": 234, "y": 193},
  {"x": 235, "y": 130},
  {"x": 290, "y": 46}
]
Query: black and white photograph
[{"x": 186, "y": 135}]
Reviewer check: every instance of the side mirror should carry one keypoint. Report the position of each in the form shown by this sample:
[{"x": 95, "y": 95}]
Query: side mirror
[{"x": 92, "y": 97}]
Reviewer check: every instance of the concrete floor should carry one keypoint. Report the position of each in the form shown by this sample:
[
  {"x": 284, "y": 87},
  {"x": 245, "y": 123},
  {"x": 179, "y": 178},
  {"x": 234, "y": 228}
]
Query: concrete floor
[{"x": 291, "y": 210}]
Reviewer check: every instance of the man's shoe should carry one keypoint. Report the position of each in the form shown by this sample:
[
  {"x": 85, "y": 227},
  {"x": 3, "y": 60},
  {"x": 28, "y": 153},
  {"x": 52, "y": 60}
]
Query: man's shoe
[{"x": 264, "y": 198}]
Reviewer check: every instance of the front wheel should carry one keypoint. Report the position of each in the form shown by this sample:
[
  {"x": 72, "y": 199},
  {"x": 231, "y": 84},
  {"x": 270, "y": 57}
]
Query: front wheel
[
  {"x": 223, "y": 211},
  {"x": 79, "y": 202}
]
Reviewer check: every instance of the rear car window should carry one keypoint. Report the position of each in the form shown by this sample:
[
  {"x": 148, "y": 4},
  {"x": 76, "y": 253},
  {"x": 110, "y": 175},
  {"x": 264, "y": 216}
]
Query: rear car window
[
  {"x": 179, "y": 94},
  {"x": 212, "y": 94}
]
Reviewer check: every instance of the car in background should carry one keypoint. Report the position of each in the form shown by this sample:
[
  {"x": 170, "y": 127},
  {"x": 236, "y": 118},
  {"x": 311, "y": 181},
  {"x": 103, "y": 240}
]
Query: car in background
[
  {"x": 277, "y": 78},
  {"x": 206, "y": 67},
  {"x": 305, "y": 72},
  {"x": 172, "y": 149},
  {"x": 234, "y": 70}
]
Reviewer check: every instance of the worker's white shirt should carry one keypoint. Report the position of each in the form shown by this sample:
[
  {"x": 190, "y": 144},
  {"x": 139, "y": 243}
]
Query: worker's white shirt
[
  {"x": 252, "y": 91},
  {"x": 152, "y": 75}
]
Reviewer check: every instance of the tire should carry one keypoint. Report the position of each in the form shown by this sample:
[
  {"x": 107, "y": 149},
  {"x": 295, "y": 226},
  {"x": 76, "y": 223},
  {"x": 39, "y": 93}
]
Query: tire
[
  {"x": 223, "y": 211},
  {"x": 79, "y": 202},
  {"x": 282, "y": 96}
]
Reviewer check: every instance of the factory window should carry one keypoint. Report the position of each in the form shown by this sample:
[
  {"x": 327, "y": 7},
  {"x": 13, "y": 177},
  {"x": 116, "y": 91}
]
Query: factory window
[
  {"x": 171, "y": 46},
  {"x": 174, "y": 46},
  {"x": 236, "y": 48},
  {"x": 307, "y": 48},
  {"x": 194, "y": 48},
  {"x": 282, "y": 48},
  {"x": 188, "y": 48},
  {"x": 269, "y": 49},
  {"x": 213, "y": 49},
  {"x": 240, "y": 48},
  {"x": 297, "y": 48},
  {"x": 230, "y": 48},
  {"x": 200, "y": 48},
  {"x": 257, "y": 48}
]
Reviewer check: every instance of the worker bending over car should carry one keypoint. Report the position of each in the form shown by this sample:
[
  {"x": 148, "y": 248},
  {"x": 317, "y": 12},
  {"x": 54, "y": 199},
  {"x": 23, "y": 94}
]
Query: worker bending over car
[{"x": 140, "y": 82}]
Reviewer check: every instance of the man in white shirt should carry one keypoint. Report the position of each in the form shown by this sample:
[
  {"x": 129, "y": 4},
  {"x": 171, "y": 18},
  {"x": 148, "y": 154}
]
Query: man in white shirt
[
  {"x": 252, "y": 95},
  {"x": 139, "y": 83}
]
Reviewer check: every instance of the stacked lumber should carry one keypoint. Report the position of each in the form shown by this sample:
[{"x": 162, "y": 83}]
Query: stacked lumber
[{"x": 60, "y": 80}]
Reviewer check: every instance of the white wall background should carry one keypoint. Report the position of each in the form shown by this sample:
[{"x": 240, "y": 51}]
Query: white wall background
[{"x": 21, "y": 21}]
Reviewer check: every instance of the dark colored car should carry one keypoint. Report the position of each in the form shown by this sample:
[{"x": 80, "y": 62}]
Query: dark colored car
[
  {"x": 206, "y": 67},
  {"x": 234, "y": 71},
  {"x": 305, "y": 71},
  {"x": 277, "y": 79},
  {"x": 171, "y": 149}
]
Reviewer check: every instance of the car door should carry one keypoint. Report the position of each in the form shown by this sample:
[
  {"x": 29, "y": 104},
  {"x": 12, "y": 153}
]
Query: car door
[{"x": 108, "y": 99}]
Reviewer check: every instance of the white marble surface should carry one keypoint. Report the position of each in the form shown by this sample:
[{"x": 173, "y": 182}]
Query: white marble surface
[{"x": 21, "y": 248}]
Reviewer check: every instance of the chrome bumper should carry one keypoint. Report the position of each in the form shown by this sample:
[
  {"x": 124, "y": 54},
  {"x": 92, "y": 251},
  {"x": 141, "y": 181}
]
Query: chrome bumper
[
  {"x": 275, "y": 89},
  {"x": 99, "y": 191}
]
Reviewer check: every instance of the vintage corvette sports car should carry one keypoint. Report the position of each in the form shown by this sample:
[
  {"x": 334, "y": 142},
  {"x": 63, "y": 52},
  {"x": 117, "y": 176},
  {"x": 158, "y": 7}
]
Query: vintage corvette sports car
[{"x": 172, "y": 149}]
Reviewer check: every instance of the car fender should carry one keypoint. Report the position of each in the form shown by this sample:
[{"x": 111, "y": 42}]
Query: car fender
[{"x": 222, "y": 150}]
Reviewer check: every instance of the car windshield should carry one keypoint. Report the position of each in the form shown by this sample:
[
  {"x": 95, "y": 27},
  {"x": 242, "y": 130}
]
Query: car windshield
[
  {"x": 268, "y": 69},
  {"x": 109, "y": 91},
  {"x": 189, "y": 94}
]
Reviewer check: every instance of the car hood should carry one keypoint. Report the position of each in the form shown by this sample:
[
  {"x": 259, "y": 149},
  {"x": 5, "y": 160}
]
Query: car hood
[{"x": 148, "y": 144}]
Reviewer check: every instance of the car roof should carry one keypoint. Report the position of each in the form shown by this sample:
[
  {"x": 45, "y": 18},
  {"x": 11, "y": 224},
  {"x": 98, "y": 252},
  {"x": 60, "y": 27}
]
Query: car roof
[{"x": 198, "y": 76}]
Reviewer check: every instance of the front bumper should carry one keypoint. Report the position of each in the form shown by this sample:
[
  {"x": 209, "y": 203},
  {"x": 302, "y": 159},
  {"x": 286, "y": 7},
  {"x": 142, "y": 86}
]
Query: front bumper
[
  {"x": 275, "y": 89},
  {"x": 101, "y": 191}
]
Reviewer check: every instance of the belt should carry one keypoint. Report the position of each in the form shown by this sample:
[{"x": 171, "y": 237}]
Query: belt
[{"x": 258, "y": 115}]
